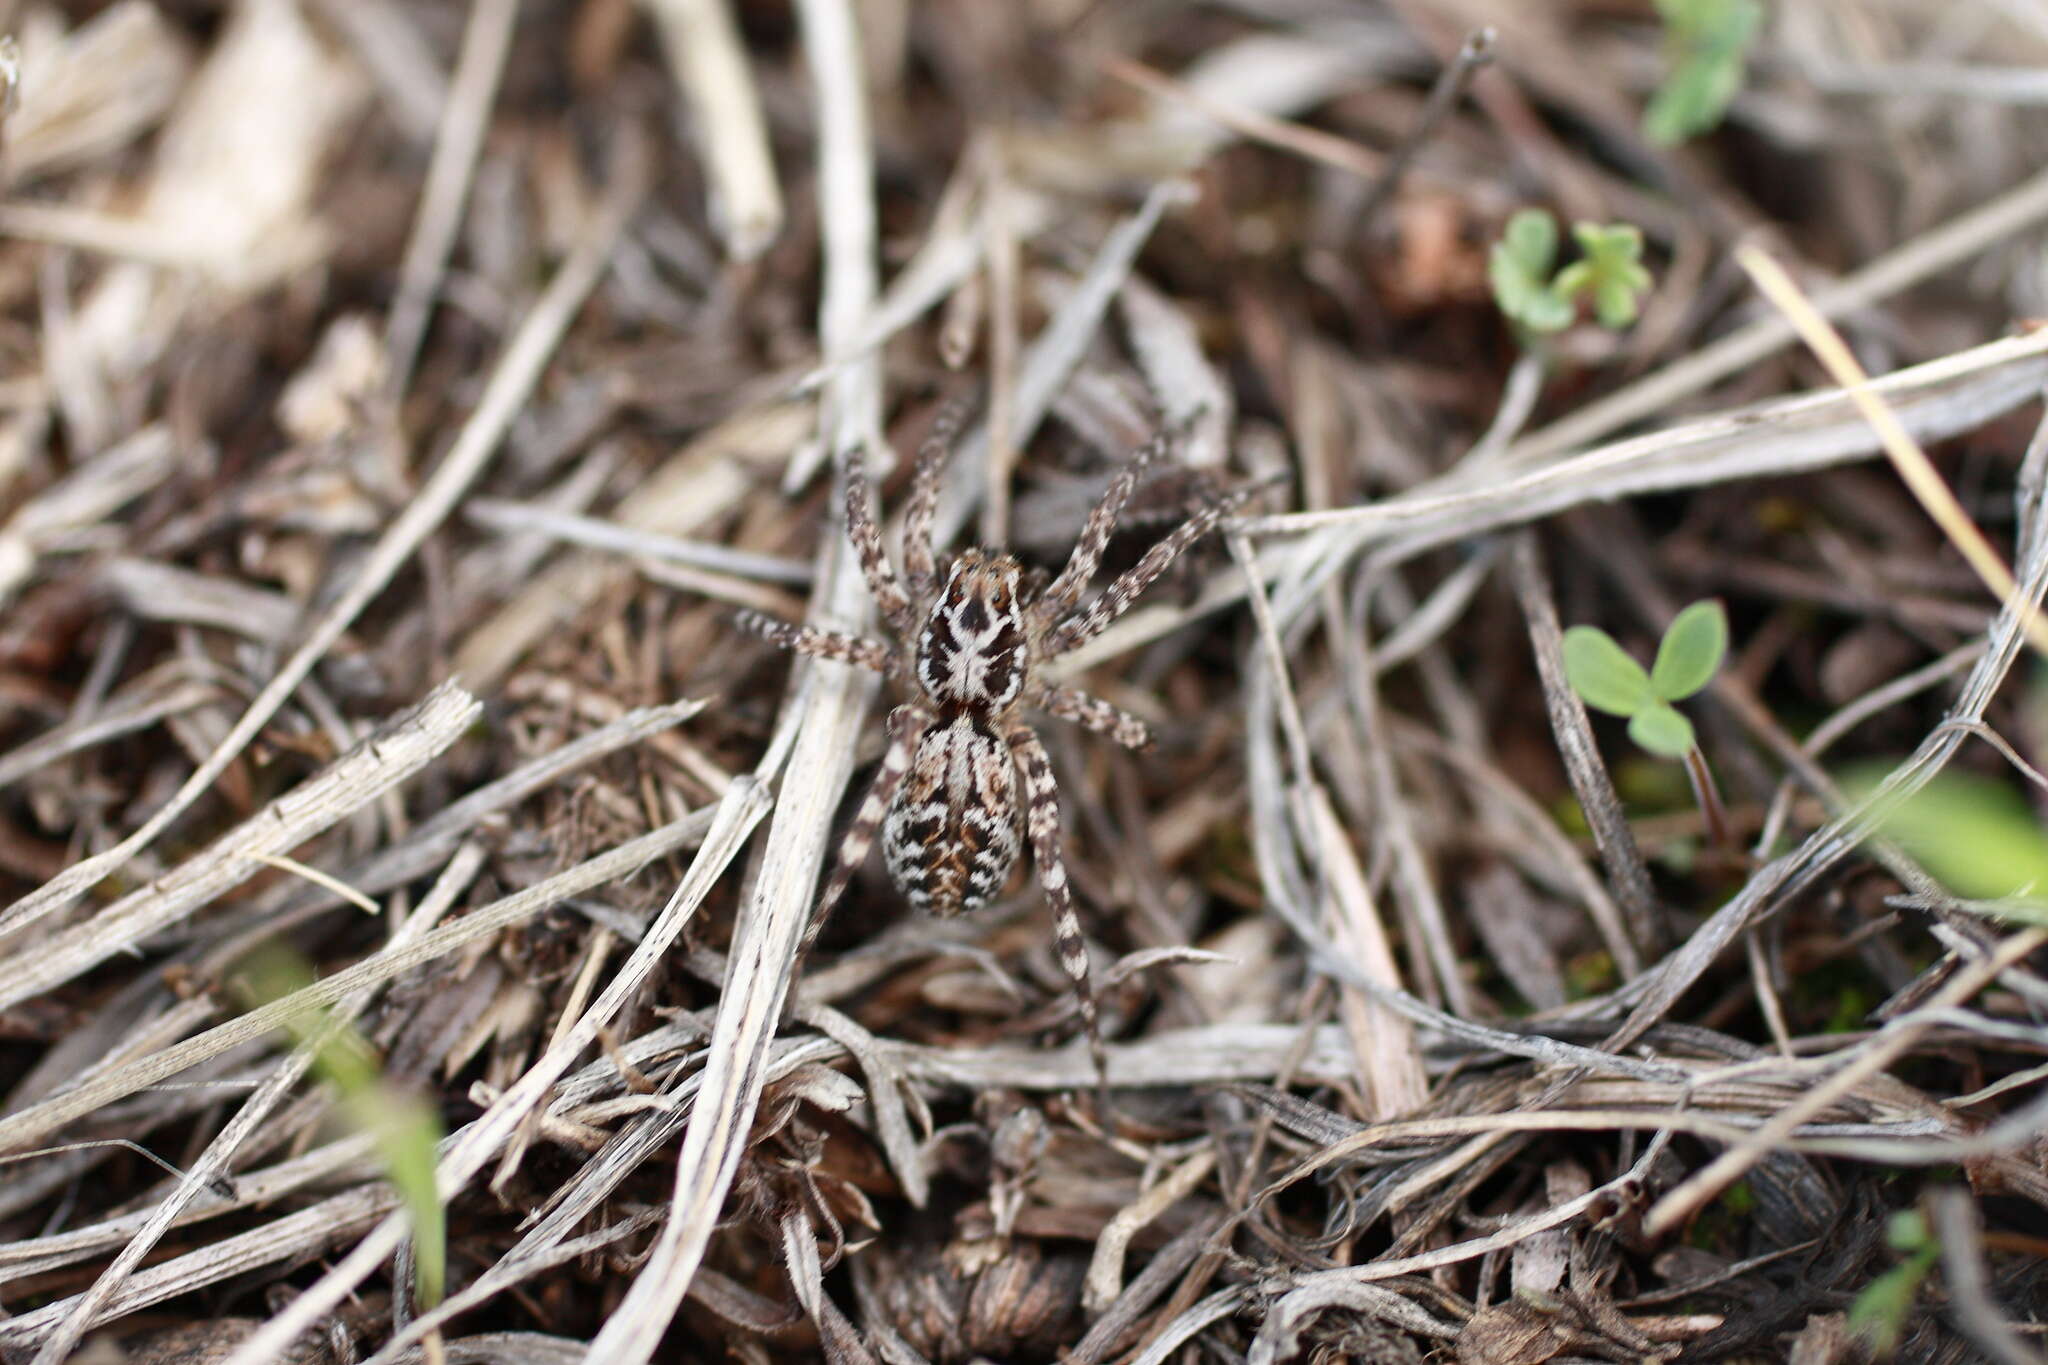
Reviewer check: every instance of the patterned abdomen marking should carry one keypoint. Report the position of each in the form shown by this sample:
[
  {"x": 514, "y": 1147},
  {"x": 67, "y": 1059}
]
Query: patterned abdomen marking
[
  {"x": 951, "y": 833},
  {"x": 971, "y": 652}
]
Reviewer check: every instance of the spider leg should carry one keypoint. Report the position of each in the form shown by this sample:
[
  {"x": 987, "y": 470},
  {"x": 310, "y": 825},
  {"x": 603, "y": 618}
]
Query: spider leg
[
  {"x": 866, "y": 534},
  {"x": 906, "y": 723},
  {"x": 820, "y": 643},
  {"x": 1093, "y": 713},
  {"x": 1116, "y": 599},
  {"x": 1042, "y": 825},
  {"x": 1065, "y": 592},
  {"x": 920, "y": 564}
]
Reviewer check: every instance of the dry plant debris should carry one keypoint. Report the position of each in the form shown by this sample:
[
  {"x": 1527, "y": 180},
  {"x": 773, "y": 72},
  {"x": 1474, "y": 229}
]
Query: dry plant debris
[{"x": 398, "y": 402}]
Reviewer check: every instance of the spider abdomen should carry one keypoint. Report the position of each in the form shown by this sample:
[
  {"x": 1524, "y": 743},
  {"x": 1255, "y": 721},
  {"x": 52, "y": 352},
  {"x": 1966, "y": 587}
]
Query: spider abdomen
[{"x": 950, "y": 836}]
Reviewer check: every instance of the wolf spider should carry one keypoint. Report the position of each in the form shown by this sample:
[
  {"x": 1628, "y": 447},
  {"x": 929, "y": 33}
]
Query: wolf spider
[{"x": 972, "y": 652}]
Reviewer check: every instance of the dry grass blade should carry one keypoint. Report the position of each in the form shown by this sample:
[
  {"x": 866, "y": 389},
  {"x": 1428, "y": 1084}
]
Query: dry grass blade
[
  {"x": 88, "y": 91},
  {"x": 1052, "y": 356},
  {"x": 1574, "y": 732},
  {"x": 1968, "y": 234},
  {"x": 1303, "y": 142},
  {"x": 820, "y": 721},
  {"x": 1937, "y": 400},
  {"x": 1652, "y": 995},
  {"x": 213, "y": 1163},
  {"x": 514, "y": 378},
  {"x": 286, "y": 1237},
  {"x": 1957, "y": 1228},
  {"x": 398, "y": 752},
  {"x": 700, "y": 483},
  {"x": 1898, "y": 1036},
  {"x": 1906, "y": 456},
  {"x": 138, "y": 712},
  {"x": 368, "y": 360},
  {"x": 469, "y": 1151},
  {"x": 703, "y": 47},
  {"x": 31, "y": 1124},
  {"x": 1784, "y": 436},
  {"x": 69, "y": 509},
  {"x": 464, "y": 117}
]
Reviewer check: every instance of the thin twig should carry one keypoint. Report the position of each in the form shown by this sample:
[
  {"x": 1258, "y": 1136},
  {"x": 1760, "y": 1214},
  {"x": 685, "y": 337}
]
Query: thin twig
[
  {"x": 1473, "y": 55},
  {"x": 464, "y": 118}
]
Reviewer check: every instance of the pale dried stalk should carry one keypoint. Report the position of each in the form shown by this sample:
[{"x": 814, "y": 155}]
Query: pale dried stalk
[
  {"x": 1106, "y": 1266},
  {"x": 821, "y": 725},
  {"x": 1313, "y": 144},
  {"x": 1959, "y": 239},
  {"x": 1055, "y": 353},
  {"x": 1911, "y": 462},
  {"x": 139, "y": 709},
  {"x": 337, "y": 1163},
  {"x": 118, "y": 236},
  {"x": 1771, "y": 439},
  {"x": 238, "y": 164},
  {"x": 1178, "y": 1057},
  {"x": 1588, "y": 776},
  {"x": 1653, "y": 993},
  {"x": 1514, "y": 1231},
  {"x": 1389, "y": 1062},
  {"x": 395, "y": 753},
  {"x": 405, "y": 67},
  {"x": 435, "y": 838},
  {"x": 151, "y": 591},
  {"x": 699, "y": 483},
  {"x": 38, "y": 1121},
  {"x": 464, "y": 118},
  {"x": 71, "y": 101},
  {"x": 1935, "y": 400},
  {"x": 279, "y": 1239},
  {"x": 526, "y": 355},
  {"x": 81, "y": 500},
  {"x": 885, "y": 1097},
  {"x": 213, "y": 1162},
  {"x": 1892, "y": 1043},
  {"x": 1259, "y": 76},
  {"x": 1168, "y": 350},
  {"x": 596, "y": 533},
  {"x": 703, "y": 48},
  {"x": 466, "y": 1155}
]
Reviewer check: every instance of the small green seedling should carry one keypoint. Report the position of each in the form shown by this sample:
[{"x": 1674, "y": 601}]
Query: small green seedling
[
  {"x": 1610, "y": 272},
  {"x": 1879, "y": 1313},
  {"x": 1705, "y": 45},
  {"x": 407, "y": 1132},
  {"x": 1519, "y": 268},
  {"x": 1688, "y": 656},
  {"x": 1607, "y": 679},
  {"x": 1975, "y": 835}
]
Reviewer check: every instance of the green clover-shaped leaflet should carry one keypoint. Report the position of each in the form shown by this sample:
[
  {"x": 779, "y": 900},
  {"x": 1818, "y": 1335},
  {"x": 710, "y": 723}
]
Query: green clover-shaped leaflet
[
  {"x": 1519, "y": 269},
  {"x": 1603, "y": 674},
  {"x": 1660, "y": 729},
  {"x": 1611, "y": 271},
  {"x": 1692, "y": 648}
]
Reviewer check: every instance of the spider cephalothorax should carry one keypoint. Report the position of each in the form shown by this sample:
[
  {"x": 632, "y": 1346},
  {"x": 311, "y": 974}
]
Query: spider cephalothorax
[
  {"x": 974, "y": 648},
  {"x": 972, "y": 652}
]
